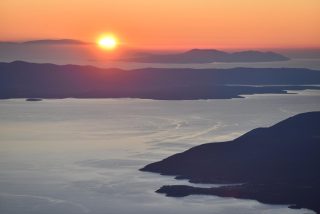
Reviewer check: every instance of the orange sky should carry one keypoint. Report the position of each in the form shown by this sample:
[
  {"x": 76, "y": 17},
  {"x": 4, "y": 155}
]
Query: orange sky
[{"x": 167, "y": 23}]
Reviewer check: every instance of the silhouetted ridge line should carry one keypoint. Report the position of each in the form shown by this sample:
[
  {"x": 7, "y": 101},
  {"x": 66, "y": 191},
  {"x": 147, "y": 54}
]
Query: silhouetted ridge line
[
  {"x": 30, "y": 80},
  {"x": 208, "y": 56},
  {"x": 278, "y": 165}
]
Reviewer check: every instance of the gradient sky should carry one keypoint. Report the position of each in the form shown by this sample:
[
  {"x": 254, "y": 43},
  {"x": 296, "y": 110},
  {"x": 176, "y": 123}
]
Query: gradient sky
[{"x": 167, "y": 23}]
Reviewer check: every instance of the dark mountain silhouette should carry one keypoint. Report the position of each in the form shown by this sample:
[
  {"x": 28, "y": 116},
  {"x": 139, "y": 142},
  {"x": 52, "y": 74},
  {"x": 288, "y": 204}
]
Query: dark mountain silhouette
[
  {"x": 277, "y": 165},
  {"x": 208, "y": 56},
  {"x": 30, "y": 80}
]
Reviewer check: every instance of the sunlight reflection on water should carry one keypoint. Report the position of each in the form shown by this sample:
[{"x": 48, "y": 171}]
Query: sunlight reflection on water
[{"x": 83, "y": 155}]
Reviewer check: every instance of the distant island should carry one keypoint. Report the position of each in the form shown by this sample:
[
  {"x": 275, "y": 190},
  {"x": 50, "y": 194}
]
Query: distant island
[
  {"x": 56, "y": 42},
  {"x": 49, "y": 42},
  {"x": 33, "y": 99},
  {"x": 207, "y": 56},
  {"x": 31, "y": 80},
  {"x": 276, "y": 165}
]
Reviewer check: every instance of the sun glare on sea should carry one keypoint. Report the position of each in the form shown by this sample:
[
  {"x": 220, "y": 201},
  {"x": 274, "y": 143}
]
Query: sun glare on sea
[{"x": 108, "y": 42}]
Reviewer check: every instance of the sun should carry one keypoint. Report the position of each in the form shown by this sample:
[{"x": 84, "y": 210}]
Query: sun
[{"x": 108, "y": 42}]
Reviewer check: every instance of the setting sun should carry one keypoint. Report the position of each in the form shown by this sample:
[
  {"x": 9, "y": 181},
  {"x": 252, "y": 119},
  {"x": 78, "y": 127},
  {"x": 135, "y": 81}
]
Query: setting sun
[{"x": 108, "y": 42}]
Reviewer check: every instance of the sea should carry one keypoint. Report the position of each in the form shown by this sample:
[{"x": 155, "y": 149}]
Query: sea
[{"x": 76, "y": 156}]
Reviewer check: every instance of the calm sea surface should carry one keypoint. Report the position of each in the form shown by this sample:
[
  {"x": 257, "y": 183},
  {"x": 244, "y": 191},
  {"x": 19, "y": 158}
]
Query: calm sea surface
[{"x": 82, "y": 155}]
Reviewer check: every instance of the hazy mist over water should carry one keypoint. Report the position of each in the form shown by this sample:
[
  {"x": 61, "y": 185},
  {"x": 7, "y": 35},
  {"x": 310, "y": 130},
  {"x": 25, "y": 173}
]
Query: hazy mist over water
[
  {"x": 90, "y": 55},
  {"x": 82, "y": 155}
]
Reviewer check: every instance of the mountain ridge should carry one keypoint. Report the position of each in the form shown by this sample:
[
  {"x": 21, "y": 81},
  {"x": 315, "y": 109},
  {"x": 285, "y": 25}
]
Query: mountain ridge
[
  {"x": 208, "y": 56},
  {"x": 32, "y": 80},
  {"x": 278, "y": 165}
]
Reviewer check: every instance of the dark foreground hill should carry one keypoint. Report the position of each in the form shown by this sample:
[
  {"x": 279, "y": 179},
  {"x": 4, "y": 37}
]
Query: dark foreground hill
[
  {"x": 30, "y": 80},
  {"x": 208, "y": 56},
  {"x": 276, "y": 165}
]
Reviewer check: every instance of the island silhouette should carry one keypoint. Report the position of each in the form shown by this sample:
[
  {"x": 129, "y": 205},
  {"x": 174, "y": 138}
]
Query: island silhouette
[
  {"x": 276, "y": 165},
  {"x": 20, "y": 79},
  {"x": 81, "y": 49},
  {"x": 207, "y": 56},
  {"x": 48, "y": 42}
]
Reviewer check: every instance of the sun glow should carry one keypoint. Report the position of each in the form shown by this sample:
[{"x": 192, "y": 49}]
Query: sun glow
[{"x": 108, "y": 42}]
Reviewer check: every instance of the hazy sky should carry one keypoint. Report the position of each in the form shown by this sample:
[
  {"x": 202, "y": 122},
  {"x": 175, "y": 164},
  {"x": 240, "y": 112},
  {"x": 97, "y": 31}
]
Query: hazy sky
[{"x": 167, "y": 23}]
